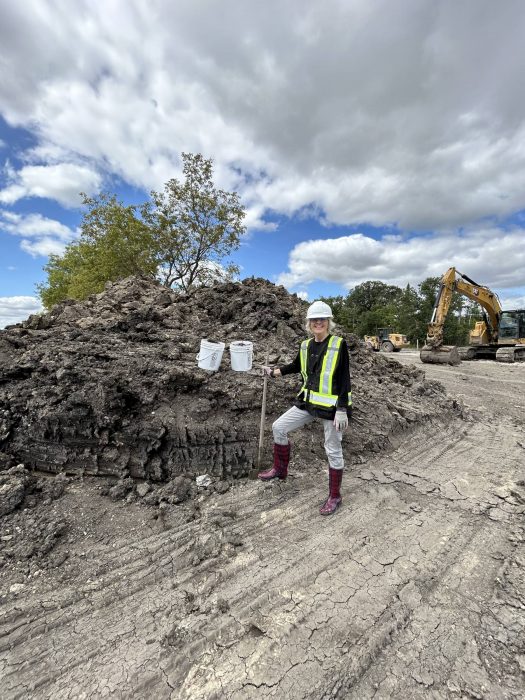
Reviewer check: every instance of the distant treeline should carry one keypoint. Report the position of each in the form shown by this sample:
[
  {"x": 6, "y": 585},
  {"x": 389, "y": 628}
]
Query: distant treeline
[{"x": 408, "y": 310}]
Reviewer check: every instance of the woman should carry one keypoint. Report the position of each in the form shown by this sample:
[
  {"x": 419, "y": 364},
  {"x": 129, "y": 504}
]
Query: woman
[{"x": 325, "y": 394}]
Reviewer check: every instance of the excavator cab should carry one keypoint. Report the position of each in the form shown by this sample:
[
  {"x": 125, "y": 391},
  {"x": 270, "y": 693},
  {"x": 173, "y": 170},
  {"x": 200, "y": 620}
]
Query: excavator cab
[
  {"x": 479, "y": 335},
  {"x": 512, "y": 327}
]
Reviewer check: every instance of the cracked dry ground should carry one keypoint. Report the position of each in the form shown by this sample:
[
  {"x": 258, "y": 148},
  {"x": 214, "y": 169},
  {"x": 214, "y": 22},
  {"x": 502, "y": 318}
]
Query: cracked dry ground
[{"x": 416, "y": 588}]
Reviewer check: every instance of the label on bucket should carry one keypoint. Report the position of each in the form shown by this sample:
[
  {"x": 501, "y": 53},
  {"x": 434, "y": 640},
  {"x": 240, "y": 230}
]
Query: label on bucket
[{"x": 210, "y": 355}]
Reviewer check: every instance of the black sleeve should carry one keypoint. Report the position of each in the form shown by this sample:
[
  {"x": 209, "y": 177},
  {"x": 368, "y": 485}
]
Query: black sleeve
[
  {"x": 342, "y": 376},
  {"x": 294, "y": 367}
]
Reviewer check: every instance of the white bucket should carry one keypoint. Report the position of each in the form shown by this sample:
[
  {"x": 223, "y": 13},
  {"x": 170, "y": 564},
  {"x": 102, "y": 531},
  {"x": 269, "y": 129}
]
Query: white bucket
[
  {"x": 241, "y": 355},
  {"x": 210, "y": 355}
]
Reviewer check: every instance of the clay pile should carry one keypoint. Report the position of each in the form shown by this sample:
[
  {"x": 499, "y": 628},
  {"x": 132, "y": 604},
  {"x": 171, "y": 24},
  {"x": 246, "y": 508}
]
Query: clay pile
[{"x": 111, "y": 386}]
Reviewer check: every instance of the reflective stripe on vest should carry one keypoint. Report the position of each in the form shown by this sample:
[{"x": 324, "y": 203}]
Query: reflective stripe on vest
[{"x": 324, "y": 397}]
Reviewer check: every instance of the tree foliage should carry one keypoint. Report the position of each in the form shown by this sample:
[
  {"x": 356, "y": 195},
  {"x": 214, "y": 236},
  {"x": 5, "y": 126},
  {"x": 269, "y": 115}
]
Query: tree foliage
[
  {"x": 372, "y": 295},
  {"x": 408, "y": 310},
  {"x": 113, "y": 243},
  {"x": 181, "y": 236},
  {"x": 194, "y": 225}
]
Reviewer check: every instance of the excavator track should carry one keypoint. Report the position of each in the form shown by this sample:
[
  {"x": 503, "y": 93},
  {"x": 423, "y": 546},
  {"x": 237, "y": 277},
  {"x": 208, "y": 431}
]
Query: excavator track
[
  {"x": 467, "y": 353},
  {"x": 515, "y": 353}
]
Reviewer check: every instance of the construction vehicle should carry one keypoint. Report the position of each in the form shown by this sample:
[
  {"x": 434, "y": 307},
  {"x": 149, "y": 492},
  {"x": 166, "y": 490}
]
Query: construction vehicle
[
  {"x": 386, "y": 341},
  {"x": 499, "y": 336}
]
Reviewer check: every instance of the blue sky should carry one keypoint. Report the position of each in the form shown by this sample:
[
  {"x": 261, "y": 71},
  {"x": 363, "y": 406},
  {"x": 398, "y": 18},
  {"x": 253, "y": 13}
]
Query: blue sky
[{"x": 367, "y": 139}]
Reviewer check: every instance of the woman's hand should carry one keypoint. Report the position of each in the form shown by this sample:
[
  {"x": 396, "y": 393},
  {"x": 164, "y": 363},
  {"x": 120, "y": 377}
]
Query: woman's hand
[
  {"x": 341, "y": 420},
  {"x": 270, "y": 371}
]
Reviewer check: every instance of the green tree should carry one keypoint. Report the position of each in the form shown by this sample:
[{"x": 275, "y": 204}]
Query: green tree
[
  {"x": 113, "y": 243},
  {"x": 373, "y": 295},
  {"x": 194, "y": 225},
  {"x": 408, "y": 313},
  {"x": 60, "y": 271},
  {"x": 374, "y": 305},
  {"x": 379, "y": 317}
]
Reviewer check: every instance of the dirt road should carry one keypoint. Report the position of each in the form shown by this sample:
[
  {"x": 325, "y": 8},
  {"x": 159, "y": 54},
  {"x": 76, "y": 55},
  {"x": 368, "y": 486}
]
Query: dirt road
[{"x": 416, "y": 588}]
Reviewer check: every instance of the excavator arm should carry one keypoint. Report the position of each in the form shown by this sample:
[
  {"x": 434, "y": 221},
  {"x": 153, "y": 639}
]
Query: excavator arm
[
  {"x": 454, "y": 281},
  {"x": 487, "y": 300},
  {"x": 441, "y": 307}
]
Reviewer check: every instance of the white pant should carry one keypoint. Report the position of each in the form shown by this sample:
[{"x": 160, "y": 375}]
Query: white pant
[{"x": 296, "y": 418}]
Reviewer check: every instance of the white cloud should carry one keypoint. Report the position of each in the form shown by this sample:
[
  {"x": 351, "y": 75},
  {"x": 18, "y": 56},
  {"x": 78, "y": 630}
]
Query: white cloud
[
  {"x": 33, "y": 225},
  {"x": 513, "y": 302},
  {"x": 62, "y": 182},
  {"x": 303, "y": 295},
  {"x": 364, "y": 111},
  {"x": 40, "y": 235},
  {"x": 17, "y": 309},
  {"x": 492, "y": 257},
  {"x": 42, "y": 247}
]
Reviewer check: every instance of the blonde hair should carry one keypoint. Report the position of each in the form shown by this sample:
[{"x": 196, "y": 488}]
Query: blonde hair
[{"x": 331, "y": 326}]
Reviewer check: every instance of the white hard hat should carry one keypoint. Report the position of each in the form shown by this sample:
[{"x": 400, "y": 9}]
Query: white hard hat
[{"x": 319, "y": 310}]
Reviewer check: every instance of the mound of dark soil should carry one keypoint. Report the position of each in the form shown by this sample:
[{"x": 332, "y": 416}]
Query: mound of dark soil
[{"x": 111, "y": 385}]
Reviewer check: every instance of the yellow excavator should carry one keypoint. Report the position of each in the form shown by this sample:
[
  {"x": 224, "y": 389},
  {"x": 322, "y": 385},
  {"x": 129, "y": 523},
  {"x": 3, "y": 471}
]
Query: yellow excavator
[{"x": 500, "y": 336}]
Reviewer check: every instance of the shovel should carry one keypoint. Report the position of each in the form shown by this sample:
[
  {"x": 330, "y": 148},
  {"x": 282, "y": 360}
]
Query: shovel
[{"x": 254, "y": 472}]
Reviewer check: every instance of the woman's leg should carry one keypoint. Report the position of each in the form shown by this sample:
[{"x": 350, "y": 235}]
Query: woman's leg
[
  {"x": 334, "y": 451},
  {"x": 291, "y": 420}
]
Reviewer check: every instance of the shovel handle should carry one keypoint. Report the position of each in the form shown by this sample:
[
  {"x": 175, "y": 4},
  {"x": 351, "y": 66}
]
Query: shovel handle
[{"x": 263, "y": 416}]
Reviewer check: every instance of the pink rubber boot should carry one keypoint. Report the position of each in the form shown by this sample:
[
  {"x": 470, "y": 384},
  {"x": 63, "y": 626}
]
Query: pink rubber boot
[
  {"x": 332, "y": 503},
  {"x": 281, "y": 459}
]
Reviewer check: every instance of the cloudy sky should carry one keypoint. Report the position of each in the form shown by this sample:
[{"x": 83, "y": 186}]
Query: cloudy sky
[{"x": 368, "y": 139}]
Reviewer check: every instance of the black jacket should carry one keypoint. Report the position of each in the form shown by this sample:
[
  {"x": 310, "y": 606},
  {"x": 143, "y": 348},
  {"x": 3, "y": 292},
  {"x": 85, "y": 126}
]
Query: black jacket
[{"x": 341, "y": 380}]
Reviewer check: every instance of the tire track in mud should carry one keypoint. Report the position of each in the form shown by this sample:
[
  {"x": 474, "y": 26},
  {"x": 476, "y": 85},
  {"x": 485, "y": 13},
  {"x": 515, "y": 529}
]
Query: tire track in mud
[
  {"x": 29, "y": 623},
  {"x": 430, "y": 445},
  {"x": 439, "y": 651},
  {"x": 467, "y": 374},
  {"x": 345, "y": 612},
  {"x": 470, "y": 458}
]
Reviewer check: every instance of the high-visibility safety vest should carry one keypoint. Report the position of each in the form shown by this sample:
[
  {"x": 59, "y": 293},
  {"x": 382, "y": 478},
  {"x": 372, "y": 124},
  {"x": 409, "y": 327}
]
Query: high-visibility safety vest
[{"x": 323, "y": 396}]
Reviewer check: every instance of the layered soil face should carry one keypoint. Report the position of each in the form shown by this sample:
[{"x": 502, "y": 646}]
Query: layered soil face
[{"x": 111, "y": 386}]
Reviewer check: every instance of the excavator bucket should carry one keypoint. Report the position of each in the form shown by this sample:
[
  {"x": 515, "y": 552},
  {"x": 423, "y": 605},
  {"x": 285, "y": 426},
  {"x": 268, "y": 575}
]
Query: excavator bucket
[{"x": 442, "y": 355}]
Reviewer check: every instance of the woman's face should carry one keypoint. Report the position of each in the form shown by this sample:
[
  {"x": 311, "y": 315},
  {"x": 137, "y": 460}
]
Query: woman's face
[{"x": 319, "y": 325}]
